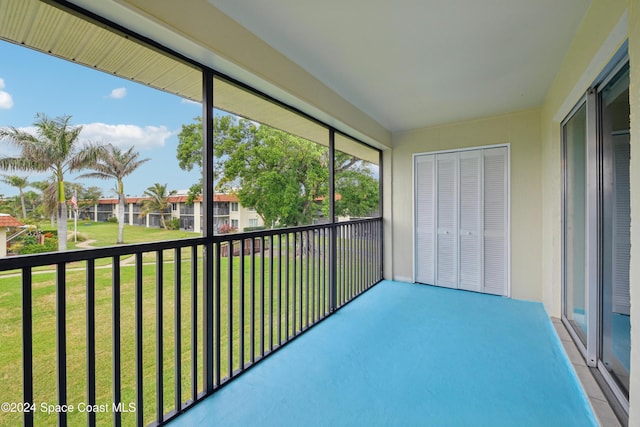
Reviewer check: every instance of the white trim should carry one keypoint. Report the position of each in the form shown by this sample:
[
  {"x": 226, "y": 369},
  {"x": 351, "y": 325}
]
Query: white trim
[
  {"x": 413, "y": 216},
  {"x": 458, "y": 150},
  {"x": 591, "y": 233}
]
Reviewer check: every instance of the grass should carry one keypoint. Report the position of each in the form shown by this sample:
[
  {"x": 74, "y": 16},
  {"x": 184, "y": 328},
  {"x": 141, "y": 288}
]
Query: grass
[
  {"x": 44, "y": 321},
  {"x": 307, "y": 289},
  {"x": 106, "y": 233}
]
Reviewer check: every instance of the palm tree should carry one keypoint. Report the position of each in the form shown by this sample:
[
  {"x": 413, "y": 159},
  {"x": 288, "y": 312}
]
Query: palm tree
[
  {"x": 115, "y": 163},
  {"x": 20, "y": 183},
  {"x": 54, "y": 148},
  {"x": 48, "y": 198},
  {"x": 158, "y": 200}
]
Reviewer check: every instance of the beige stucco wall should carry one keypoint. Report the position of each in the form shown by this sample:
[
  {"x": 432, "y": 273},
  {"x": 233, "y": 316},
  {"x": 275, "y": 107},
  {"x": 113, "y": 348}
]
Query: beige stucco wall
[
  {"x": 3, "y": 242},
  {"x": 243, "y": 215},
  {"x": 606, "y": 26},
  {"x": 522, "y": 131},
  {"x": 600, "y": 35}
]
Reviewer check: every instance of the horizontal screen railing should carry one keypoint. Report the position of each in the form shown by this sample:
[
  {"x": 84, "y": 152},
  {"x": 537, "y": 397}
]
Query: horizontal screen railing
[{"x": 134, "y": 335}]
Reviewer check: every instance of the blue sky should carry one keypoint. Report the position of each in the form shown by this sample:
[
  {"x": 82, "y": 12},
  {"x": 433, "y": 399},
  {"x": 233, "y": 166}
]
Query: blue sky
[{"x": 109, "y": 108}]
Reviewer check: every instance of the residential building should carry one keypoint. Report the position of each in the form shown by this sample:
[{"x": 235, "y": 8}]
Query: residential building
[
  {"x": 227, "y": 211},
  {"x": 504, "y": 133}
]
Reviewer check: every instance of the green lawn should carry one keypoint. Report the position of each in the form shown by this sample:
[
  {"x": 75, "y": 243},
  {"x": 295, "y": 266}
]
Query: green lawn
[
  {"x": 106, "y": 233},
  {"x": 309, "y": 295}
]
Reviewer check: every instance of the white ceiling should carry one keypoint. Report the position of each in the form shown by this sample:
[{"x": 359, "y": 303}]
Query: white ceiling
[{"x": 416, "y": 63}]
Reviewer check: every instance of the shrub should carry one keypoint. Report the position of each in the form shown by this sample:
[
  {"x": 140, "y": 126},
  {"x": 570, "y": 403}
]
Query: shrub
[
  {"x": 29, "y": 240},
  {"x": 49, "y": 245},
  {"x": 226, "y": 228},
  {"x": 257, "y": 228},
  {"x": 173, "y": 224},
  {"x": 16, "y": 248},
  {"x": 31, "y": 249},
  {"x": 80, "y": 237},
  {"x": 112, "y": 219}
]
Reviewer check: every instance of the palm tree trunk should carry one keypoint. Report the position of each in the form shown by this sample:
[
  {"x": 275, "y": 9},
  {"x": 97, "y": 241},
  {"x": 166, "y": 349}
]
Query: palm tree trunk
[
  {"x": 62, "y": 217},
  {"x": 24, "y": 208},
  {"x": 62, "y": 226},
  {"x": 120, "y": 218}
]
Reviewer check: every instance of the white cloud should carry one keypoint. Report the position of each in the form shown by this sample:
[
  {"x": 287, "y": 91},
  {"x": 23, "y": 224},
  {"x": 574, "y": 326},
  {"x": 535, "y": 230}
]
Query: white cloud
[
  {"x": 118, "y": 93},
  {"x": 6, "y": 101},
  {"x": 7, "y": 149},
  {"x": 146, "y": 137},
  {"x": 29, "y": 129},
  {"x": 190, "y": 102}
]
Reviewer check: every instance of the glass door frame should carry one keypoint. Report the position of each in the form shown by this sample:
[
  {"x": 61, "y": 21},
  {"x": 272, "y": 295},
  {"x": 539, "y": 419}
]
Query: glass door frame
[
  {"x": 591, "y": 229},
  {"x": 610, "y": 75},
  {"x": 594, "y": 223}
]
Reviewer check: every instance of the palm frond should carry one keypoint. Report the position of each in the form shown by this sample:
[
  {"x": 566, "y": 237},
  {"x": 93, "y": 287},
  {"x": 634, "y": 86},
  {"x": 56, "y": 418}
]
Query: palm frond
[
  {"x": 21, "y": 164},
  {"x": 96, "y": 174},
  {"x": 84, "y": 157}
]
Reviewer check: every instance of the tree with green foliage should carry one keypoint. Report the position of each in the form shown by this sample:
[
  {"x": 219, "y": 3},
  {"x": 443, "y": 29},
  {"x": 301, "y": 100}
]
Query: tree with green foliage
[
  {"x": 20, "y": 182},
  {"x": 190, "y": 145},
  {"x": 32, "y": 200},
  {"x": 117, "y": 164},
  {"x": 48, "y": 198},
  {"x": 91, "y": 195},
  {"x": 55, "y": 147},
  {"x": 86, "y": 197},
  {"x": 10, "y": 205},
  {"x": 279, "y": 174},
  {"x": 189, "y": 154},
  {"x": 158, "y": 201},
  {"x": 357, "y": 187}
]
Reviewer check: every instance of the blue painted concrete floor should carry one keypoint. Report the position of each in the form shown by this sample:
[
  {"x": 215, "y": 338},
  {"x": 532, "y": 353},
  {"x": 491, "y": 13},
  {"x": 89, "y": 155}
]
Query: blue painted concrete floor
[{"x": 411, "y": 355}]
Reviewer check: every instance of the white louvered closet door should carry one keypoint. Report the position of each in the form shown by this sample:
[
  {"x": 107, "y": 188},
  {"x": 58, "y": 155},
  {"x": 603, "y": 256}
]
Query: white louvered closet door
[
  {"x": 470, "y": 230},
  {"x": 447, "y": 220},
  {"x": 621, "y": 225},
  {"x": 461, "y": 220},
  {"x": 425, "y": 221},
  {"x": 495, "y": 221}
]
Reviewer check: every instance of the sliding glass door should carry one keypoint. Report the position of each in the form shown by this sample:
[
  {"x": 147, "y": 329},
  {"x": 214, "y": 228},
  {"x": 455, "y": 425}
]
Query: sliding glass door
[
  {"x": 575, "y": 212},
  {"x": 596, "y": 227},
  {"x": 614, "y": 333}
]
